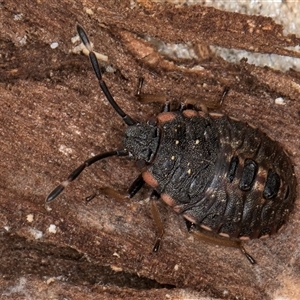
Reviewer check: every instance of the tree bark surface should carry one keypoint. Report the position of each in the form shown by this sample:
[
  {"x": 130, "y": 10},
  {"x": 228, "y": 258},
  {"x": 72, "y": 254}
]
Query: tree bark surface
[{"x": 54, "y": 116}]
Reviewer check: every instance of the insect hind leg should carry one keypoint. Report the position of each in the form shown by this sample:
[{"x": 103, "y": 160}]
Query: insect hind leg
[
  {"x": 212, "y": 238},
  {"x": 149, "y": 98},
  {"x": 205, "y": 105}
]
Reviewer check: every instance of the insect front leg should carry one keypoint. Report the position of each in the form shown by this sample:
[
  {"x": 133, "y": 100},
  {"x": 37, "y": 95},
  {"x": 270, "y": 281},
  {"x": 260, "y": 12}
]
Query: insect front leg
[
  {"x": 136, "y": 186},
  {"x": 133, "y": 189},
  {"x": 110, "y": 192}
]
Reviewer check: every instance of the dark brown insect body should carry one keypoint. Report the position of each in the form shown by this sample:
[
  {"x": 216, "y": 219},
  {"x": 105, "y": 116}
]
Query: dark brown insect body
[{"x": 219, "y": 173}]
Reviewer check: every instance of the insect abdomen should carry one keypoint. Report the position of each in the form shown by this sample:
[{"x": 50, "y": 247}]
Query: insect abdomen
[{"x": 223, "y": 174}]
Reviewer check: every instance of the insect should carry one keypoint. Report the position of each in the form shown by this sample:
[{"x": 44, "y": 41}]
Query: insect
[{"x": 222, "y": 175}]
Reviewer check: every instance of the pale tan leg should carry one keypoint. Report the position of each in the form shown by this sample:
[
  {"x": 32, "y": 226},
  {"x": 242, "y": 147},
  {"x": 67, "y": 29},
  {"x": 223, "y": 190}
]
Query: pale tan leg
[
  {"x": 112, "y": 193},
  {"x": 195, "y": 102},
  {"x": 149, "y": 98},
  {"x": 213, "y": 238},
  {"x": 159, "y": 227},
  {"x": 206, "y": 105},
  {"x": 109, "y": 192}
]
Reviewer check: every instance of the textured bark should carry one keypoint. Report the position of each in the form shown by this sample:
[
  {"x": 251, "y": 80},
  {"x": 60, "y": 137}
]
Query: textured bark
[{"x": 53, "y": 117}]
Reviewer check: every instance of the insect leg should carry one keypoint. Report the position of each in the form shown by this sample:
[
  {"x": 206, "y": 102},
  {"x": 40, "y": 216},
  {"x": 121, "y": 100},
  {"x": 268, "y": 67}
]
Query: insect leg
[
  {"x": 136, "y": 186},
  {"x": 133, "y": 189},
  {"x": 249, "y": 257},
  {"x": 77, "y": 171},
  {"x": 139, "y": 90},
  {"x": 149, "y": 98},
  {"x": 217, "y": 239},
  {"x": 110, "y": 192},
  {"x": 166, "y": 107},
  {"x": 157, "y": 220},
  {"x": 224, "y": 94},
  {"x": 206, "y": 105}
]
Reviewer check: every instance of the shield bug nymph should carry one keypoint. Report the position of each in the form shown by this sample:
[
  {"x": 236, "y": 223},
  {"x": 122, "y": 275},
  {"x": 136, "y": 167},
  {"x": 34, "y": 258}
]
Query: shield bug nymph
[{"x": 222, "y": 175}]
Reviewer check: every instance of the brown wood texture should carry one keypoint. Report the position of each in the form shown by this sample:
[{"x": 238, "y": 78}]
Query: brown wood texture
[{"x": 53, "y": 117}]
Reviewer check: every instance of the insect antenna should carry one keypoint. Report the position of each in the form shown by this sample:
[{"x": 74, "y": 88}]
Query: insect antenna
[
  {"x": 85, "y": 40},
  {"x": 126, "y": 118},
  {"x": 77, "y": 171}
]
